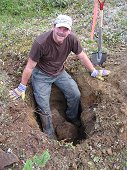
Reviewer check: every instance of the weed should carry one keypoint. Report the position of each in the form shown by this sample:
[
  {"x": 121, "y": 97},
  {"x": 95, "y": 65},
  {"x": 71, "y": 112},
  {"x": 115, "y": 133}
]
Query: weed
[{"x": 37, "y": 161}]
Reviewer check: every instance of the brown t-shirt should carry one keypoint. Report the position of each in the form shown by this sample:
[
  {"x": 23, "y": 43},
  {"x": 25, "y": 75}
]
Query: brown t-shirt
[{"x": 49, "y": 55}]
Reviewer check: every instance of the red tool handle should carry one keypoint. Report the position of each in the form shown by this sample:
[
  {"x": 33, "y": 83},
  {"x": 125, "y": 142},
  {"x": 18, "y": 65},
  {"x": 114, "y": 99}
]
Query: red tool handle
[{"x": 101, "y": 4}]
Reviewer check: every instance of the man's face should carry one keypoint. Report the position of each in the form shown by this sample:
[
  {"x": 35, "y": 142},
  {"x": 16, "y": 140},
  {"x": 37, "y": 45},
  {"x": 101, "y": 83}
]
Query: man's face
[{"x": 60, "y": 33}]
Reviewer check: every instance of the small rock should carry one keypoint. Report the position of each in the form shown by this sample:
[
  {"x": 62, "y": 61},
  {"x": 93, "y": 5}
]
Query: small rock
[
  {"x": 7, "y": 159},
  {"x": 109, "y": 151},
  {"x": 121, "y": 130},
  {"x": 103, "y": 151},
  {"x": 1, "y": 62},
  {"x": 9, "y": 150}
]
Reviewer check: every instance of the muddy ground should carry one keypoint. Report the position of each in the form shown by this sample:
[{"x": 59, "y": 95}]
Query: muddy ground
[{"x": 101, "y": 145}]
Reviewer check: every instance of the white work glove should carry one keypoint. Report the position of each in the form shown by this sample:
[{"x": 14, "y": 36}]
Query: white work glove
[
  {"x": 99, "y": 74},
  {"x": 18, "y": 92}
]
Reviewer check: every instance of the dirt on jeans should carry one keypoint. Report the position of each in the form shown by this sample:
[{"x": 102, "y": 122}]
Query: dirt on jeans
[{"x": 101, "y": 145}]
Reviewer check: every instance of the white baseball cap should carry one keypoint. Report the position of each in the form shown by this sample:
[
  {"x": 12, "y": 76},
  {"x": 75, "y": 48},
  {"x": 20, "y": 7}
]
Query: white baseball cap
[{"x": 63, "y": 21}]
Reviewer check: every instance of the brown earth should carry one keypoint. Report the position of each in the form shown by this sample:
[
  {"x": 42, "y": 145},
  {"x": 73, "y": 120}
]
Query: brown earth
[{"x": 100, "y": 146}]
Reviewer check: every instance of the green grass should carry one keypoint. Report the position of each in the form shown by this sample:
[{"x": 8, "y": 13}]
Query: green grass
[
  {"x": 31, "y": 8},
  {"x": 22, "y": 8}
]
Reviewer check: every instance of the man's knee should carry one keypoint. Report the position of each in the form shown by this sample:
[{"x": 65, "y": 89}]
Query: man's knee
[{"x": 77, "y": 94}]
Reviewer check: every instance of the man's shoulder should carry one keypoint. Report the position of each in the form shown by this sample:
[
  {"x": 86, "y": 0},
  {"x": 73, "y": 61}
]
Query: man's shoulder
[{"x": 43, "y": 37}]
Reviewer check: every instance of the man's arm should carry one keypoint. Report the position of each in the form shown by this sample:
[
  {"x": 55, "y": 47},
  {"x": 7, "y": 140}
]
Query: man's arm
[
  {"x": 28, "y": 71},
  {"x": 20, "y": 90},
  {"x": 86, "y": 61},
  {"x": 94, "y": 73}
]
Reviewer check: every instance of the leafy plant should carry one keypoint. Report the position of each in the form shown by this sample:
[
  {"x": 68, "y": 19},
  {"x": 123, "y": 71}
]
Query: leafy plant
[
  {"x": 41, "y": 160},
  {"x": 28, "y": 165},
  {"x": 37, "y": 161}
]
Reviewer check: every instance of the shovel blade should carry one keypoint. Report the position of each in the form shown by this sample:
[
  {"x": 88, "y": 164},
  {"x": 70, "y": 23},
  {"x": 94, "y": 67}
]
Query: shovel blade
[{"x": 98, "y": 59}]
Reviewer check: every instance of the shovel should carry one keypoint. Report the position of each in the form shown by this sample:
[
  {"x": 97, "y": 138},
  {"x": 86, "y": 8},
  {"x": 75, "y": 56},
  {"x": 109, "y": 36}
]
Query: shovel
[{"x": 98, "y": 58}]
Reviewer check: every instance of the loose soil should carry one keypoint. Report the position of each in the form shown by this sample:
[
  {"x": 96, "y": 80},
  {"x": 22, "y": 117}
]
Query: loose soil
[{"x": 99, "y": 145}]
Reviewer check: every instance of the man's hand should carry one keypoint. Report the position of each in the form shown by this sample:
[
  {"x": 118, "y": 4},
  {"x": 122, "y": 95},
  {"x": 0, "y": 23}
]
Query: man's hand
[
  {"x": 18, "y": 92},
  {"x": 99, "y": 74}
]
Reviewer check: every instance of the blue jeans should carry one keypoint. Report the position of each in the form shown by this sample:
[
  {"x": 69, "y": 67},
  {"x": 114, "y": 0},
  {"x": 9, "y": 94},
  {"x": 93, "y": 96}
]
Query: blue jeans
[{"x": 42, "y": 83}]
